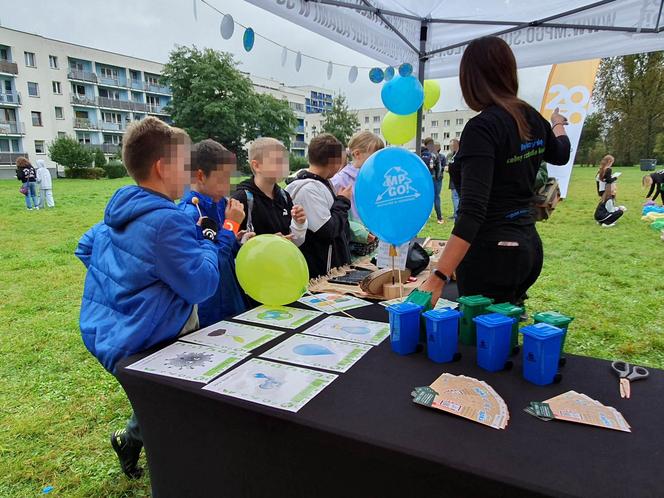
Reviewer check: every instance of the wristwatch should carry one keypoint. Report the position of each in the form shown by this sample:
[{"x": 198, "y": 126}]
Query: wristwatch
[{"x": 442, "y": 276}]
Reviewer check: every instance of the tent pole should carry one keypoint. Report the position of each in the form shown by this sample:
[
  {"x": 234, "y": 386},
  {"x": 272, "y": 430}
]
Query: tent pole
[{"x": 422, "y": 60}]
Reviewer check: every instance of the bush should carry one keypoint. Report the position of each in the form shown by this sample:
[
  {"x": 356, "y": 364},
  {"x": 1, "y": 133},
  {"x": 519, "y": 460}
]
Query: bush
[
  {"x": 115, "y": 169},
  {"x": 100, "y": 158},
  {"x": 297, "y": 162},
  {"x": 85, "y": 173}
]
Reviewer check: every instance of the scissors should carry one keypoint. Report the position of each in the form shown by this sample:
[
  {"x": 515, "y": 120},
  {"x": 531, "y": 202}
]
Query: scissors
[{"x": 627, "y": 374}]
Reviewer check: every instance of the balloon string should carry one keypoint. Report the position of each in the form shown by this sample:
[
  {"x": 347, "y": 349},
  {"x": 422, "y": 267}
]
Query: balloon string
[
  {"x": 400, "y": 287},
  {"x": 338, "y": 310}
]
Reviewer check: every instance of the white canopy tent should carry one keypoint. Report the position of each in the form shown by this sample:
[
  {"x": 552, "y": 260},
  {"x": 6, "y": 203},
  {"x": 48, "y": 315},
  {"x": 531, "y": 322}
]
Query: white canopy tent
[{"x": 432, "y": 34}]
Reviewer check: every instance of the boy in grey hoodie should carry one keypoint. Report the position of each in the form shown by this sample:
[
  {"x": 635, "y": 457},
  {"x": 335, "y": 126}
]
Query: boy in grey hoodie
[{"x": 45, "y": 183}]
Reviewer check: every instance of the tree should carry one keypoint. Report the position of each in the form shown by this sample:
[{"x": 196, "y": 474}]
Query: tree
[
  {"x": 593, "y": 129},
  {"x": 340, "y": 121},
  {"x": 211, "y": 98},
  {"x": 68, "y": 152},
  {"x": 100, "y": 158},
  {"x": 630, "y": 93},
  {"x": 274, "y": 119}
]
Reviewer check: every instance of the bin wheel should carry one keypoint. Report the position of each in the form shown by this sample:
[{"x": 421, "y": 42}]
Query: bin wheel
[
  {"x": 419, "y": 348},
  {"x": 562, "y": 362},
  {"x": 557, "y": 378},
  {"x": 456, "y": 357},
  {"x": 516, "y": 349},
  {"x": 509, "y": 365}
]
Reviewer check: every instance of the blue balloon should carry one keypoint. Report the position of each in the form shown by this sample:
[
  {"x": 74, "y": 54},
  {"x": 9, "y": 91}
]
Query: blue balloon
[
  {"x": 248, "y": 39},
  {"x": 402, "y": 95},
  {"x": 389, "y": 73},
  {"x": 394, "y": 194},
  {"x": 405, "y": 69},
  {"x": 376, "y": 75}
]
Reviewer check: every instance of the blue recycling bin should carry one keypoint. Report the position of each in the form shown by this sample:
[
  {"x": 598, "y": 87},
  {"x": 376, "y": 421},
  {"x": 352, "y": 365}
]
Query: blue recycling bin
[
  {"x": 541, "y": 352},
  {"x": 442, "y": 334},
  {"x": 404, "y": 327},
  {"x": 494, "y": 332}
]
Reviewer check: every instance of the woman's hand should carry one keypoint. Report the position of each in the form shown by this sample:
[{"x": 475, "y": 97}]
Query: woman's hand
[
  {"x": 557, "y": 118},
  {"x": 434, "y": 285}
]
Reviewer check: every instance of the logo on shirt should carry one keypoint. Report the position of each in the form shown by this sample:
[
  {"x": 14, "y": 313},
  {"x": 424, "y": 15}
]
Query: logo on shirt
[{"x": 398, "y": 188}]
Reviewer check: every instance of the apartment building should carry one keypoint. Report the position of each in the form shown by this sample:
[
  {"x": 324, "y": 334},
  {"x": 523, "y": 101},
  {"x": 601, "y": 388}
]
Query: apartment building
[{"x": 50, "y": 88}]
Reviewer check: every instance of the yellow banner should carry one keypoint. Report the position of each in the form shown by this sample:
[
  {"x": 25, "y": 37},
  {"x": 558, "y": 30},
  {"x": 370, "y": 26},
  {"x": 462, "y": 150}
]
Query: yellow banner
[{"x": 569, "y": 88}]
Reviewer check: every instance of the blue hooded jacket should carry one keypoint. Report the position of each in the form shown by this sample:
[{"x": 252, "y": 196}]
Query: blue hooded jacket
[
  {"x": 228, "y": 300},
  {"x": 146, "y": 269}
]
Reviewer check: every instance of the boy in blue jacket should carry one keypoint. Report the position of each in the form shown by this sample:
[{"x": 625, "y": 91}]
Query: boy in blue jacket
[
  {"x": 147, "y": 265},
  {"x": 212, "y": 166}
]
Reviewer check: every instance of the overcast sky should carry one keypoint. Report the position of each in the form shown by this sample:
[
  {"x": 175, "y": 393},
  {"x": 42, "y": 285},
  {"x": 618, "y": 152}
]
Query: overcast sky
[{"x": 150, "y": 28}]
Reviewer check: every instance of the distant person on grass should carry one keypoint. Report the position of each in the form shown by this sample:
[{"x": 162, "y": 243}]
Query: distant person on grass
[
  {"x": 655, "y": 183},
  {"x": 451, "y": 173},
  {"x": 607, "y": 212},
  {"x": 147, "y": 263},
  {"x": 436, "y": 164},
  {"x": 45, "y": 185},
  {"x": 27, "y": 175},
  {"x": 604, "y": 174}
]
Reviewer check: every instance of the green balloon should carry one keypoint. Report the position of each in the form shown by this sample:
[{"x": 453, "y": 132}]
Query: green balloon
[
  {"x": 399, "y": 129},
  {"x": 272, "y": 270},
  {"x": 431, "y": 93}
]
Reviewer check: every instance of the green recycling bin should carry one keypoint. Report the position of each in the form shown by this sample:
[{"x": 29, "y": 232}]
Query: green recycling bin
[
  {"x": 471, "y": 306},
  {"x": 556, "y": 319},
  {"x": 512, "y": 311}
]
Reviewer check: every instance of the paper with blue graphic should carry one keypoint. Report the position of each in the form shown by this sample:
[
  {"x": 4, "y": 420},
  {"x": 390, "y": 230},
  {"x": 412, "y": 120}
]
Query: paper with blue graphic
[
  {"x": 283, "y": 317},
  {"x": 351, "y": 329},
  {"x": 285, "y": 387},
  {"x": 318, "y": 352}
]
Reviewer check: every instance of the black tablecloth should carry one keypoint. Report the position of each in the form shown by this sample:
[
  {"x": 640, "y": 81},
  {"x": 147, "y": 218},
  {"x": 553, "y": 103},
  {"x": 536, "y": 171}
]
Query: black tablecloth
[{"x": 363, "y": 436}]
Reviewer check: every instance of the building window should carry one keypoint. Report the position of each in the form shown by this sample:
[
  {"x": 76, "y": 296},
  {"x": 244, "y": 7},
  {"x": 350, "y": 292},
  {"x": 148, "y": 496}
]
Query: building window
[
  {"x": 446, "y": 134},
  {"x": 110, "y": 73},
  {"x": 36, "y": 118},
  {"x": 57, "y": 88},
  {"x": 459, "y": 121},
  {"x": 4, "y": 55},
  {"x": 53, "y": 62},
  {"x": 84, "y": 138},
  {"x": 446, "y": 122},
  {"x": 79, "y": 90},
  {"x": 33, "y": 89},
  {"x": 39, "y": 147},
  {"x": 376, "y": 119},
  {"x": 447, "y": 147},
  {"x": 111, "y": 117},
  {"x": 30, "y": 59},
  {"x": 377, "y": 131},
  {"x": 62, "y": 134},
  {"x": 59, "y": 113},
  {"x": 434, "y": 136},
  {"x": 366, "y": 119},
  {"x": 434, "y": 123},
  {"x": 457, "y": 134}
]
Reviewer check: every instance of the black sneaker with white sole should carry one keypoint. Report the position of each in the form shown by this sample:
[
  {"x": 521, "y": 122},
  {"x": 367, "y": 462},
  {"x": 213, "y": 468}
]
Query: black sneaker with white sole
[{"x": 128, "y": 452}]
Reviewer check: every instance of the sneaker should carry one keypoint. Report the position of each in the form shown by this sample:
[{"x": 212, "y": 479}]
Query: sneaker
[
  {"x": 604, "y": 225},
  {"x": 440, "y": 222},
  {"x": 128, "y": 452}
]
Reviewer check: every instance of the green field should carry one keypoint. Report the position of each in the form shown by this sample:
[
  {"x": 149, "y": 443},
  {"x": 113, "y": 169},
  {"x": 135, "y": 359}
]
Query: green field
[{"x": 57, "y": 404}]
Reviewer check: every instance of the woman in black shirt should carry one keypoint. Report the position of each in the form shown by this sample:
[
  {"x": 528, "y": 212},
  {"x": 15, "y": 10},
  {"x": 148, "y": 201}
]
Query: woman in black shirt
[{"x": 494, "y": 248}]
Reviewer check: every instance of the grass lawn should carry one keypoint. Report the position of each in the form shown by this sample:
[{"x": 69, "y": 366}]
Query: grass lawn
[{"x": 57, "y": 404}]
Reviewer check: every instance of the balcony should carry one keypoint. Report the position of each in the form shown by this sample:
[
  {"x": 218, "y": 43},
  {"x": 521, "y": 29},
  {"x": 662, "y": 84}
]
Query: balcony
[
  {"x": 75, "y": 74},
  {"x": 10, "y": 98},
  {"x": 156, "y": 109},
  {"x": 85, "y": 124},
  {"x": 136, "y": 85},
  {"x": 105, "y": 148},
  {"x": 12, "y": 128},
  {"x": 106, "y": 126},
  {"x": 298, "y": 144},
  {"x": 125, "y": 105},
  {"x": 109, "y": 81},
  {"x": 83, "y": 100},
  {"x": 8, "y": 67},
  {"x": 11, "y": 157},
  {"x": 299, "y": 129},
  {"x": 156, "y": 88}
]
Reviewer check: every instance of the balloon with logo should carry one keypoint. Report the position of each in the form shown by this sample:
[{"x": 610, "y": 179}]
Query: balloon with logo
[
  {"x": 272, "y": 270},
  {"x": 394, "y": 194},
  {"x": 431, "y": 93},
  {"x": 399, "y": 129},
  {"x": 402, "y": 95}
]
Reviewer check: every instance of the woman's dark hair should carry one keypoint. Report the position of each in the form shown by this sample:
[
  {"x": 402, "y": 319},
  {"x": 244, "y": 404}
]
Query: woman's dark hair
[{"x": 488, "y": 77}]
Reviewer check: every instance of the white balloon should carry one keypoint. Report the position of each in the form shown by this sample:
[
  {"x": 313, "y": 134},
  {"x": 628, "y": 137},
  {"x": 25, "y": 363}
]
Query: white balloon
[
  {"x": 284, "y": 56},
  {"x": 298, "y": 61},
  {"x": 352, "y": 74},
  {"x": 227, "y": 26},
  {"x": 330, "y": 68},
  {"x": 195, "y": 11}
]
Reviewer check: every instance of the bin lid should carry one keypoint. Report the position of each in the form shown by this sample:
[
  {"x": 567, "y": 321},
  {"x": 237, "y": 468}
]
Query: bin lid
[
  {"x": 508, "y": 309},
  {"x": 541, "y": 330},
  {"x": 554, "y": 318},
  {"x": 477, "y": 300},
  {"x": 442, "y": 314},
  {"x": 402, "y": 308},
  {"x": 494, "y": 320}
]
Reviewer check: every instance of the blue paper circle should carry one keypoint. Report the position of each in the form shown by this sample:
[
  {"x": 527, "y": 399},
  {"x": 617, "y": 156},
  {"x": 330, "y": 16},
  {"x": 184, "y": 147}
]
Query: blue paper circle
[
  {"x": 248, "y": 39},
  {"x": 376, "y": 75},
  {"x": 402, "y": 95},
  {"x": 389, "y": 73},
  {"x": 394, "y": 194},
  {"x": 405, "y": 69}
]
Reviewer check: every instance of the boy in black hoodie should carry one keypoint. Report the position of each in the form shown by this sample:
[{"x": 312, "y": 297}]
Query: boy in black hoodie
[
  {"x": 268, "y": 207},
  {"x": 326, "y": 245}
]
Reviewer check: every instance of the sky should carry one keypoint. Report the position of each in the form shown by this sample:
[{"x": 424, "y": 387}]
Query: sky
[{"x": 150, "y": 28}]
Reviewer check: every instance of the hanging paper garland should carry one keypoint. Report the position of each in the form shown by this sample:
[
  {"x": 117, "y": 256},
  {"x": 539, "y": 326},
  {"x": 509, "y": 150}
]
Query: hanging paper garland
[
  {"x": 195, "y": 11},
  {"x": 284, "y": 56},
  {"x": 352, "y": 74},
  {"x": 227, "y": 26},
  {"x": 389, "y": 73},
  {"x": 248, "y": 39},
  {"x": 298, "y": 62},
  {"x": 376, "y": 75},
  {"x": 330, "y": 68},
  {"x": 405, "y": 69}
]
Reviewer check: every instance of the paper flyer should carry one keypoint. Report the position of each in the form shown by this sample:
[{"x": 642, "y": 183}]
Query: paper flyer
[
  {"x": 351, "y": 329},
  {"x": 330, "y": 302},
  {"x": 283, "y": 317},
  {"x": 230, "y": 335}
]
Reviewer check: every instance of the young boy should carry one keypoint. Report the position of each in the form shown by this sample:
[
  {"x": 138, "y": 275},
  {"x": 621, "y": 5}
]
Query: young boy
[
  {"x": 326, "y": 243},
  {"x": 45, "y": 185},
  {"x": 212, "y": 166},
  {"x": 269, "y": 208},
  {"x": 147, "y": 268}
]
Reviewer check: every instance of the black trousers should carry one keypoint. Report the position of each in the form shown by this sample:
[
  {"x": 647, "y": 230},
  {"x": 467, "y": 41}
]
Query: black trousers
[
  {"x": 613, "y": 217},
  {"x": 502, "y": 269}
]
